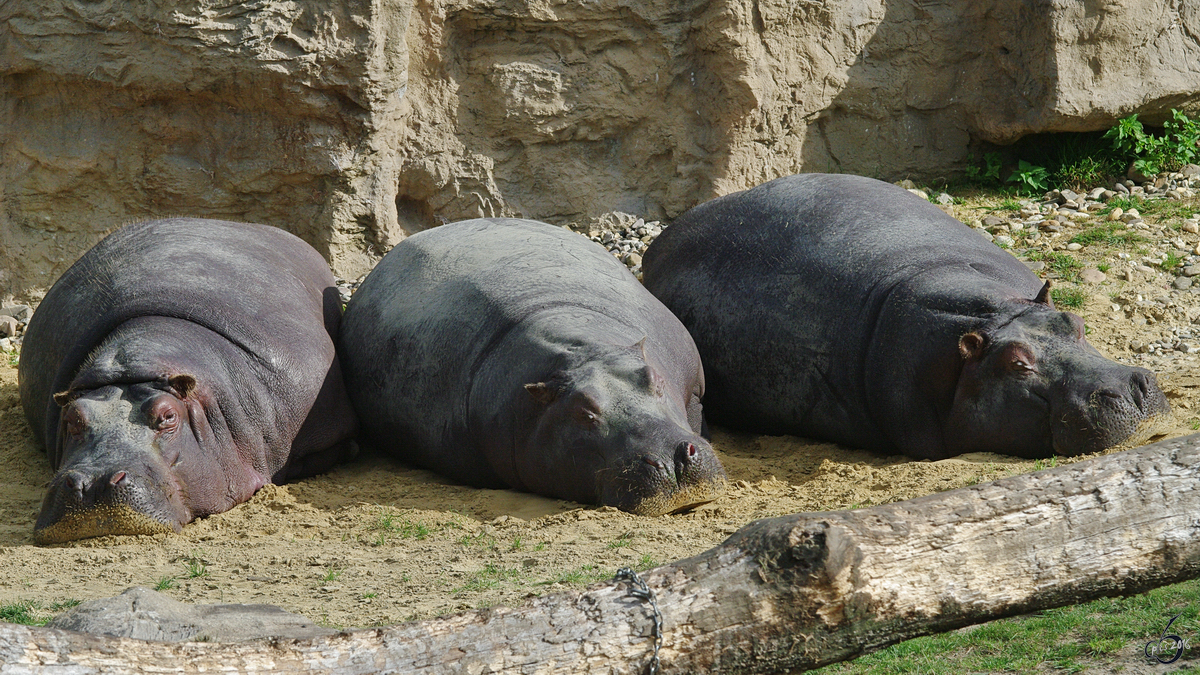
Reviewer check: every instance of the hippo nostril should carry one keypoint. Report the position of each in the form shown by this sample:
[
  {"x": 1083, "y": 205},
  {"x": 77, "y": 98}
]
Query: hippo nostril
[{"x": 685, "y": 453}]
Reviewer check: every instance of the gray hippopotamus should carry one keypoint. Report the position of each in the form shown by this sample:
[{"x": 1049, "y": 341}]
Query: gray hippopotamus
[
  {"x": 177, "y": 367},
  {"x": 847, "y": 309},
  {"x": 511, "y": 353}
]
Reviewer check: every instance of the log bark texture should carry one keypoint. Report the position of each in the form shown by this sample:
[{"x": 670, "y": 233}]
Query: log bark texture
[{"x": 782, "y": 594}]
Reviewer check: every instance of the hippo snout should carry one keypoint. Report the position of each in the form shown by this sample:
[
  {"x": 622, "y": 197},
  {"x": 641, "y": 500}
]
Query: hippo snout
[
  {"x": 687, "y": 475},
  {"x": 80, "y": 504},
  {"x": 1127, "y": 409}
]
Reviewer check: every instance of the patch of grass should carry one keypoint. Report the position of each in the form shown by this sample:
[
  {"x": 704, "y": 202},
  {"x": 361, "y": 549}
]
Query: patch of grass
[
  {"x": 164, "y": 583},
  {"x": 1066, "y": 266},
  {"x": 33, "y": 612},
  {"x": 580, "y": 576},
  {"x": 1040, "y": 464},
  {"x": 1068, "y": 297},
  {"x": 21, "y": 612},
  {"x": 331, "y": 574},
  {"x": 1104, "y": 267},
  {"x": 645, "y": 563},
  {"x": 622, "y": 541},
  {"x": 1170, "y": 262},
  {"x": 481, "y": 540},
  {"x": 14, "y": 360},
  {"x": 1160, "y": 208},
  {"x": 406, "y": 529},
  {"x": 491, "y": 576},
  {"x": 196, "y": 568},
  {"x": 368, "y": 596},
  {"x": 1085, "y": 172},
  {"x": 1110, "y": 233},
  {"x": 1059, "y": 638},
  {"x": 515, "y": 545}
]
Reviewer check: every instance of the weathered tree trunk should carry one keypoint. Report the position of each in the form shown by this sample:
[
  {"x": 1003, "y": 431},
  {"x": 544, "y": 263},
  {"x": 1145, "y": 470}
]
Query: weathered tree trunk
[{"x": 782, "y": 594}]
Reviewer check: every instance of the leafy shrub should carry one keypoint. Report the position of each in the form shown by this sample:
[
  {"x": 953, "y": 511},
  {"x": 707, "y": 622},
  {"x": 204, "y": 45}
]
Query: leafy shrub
[
  {"x": 1179, "y": 144},
  {"x": 1029, "y": 177}
]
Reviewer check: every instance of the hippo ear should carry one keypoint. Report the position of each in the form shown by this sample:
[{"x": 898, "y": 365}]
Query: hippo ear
[
  {"x": 542, "y": 392},
  {"x": 181, "y": 385},
  {"x": 639, "y": 347},
  {"x": 971, "y": 345},
  {"x": 1043, "y": 296},
  {"x": 655, "y": 381}
]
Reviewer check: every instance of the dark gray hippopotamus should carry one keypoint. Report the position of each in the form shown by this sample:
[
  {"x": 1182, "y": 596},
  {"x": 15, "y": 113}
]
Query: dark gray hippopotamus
[
  {"x": 504, "y": 352},
  {"x": 847, "y": 309},
  {"x": 177, "y": 367}
]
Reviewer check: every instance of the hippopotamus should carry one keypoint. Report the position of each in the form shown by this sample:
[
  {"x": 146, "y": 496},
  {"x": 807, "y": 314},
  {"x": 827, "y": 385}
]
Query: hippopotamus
[
  {"x": 177, "y": 367},
  {"x": 846, "y": 309},
  {"x": 503, "y": 352}
]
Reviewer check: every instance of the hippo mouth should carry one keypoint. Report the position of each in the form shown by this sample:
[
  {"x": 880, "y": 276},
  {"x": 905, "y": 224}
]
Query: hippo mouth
[
  {"x": 78, "y": 506},
  {"x": 1110, "y": 419},
  {"x": 99, "y": 521},
  {"x": 648, "y": 486}
]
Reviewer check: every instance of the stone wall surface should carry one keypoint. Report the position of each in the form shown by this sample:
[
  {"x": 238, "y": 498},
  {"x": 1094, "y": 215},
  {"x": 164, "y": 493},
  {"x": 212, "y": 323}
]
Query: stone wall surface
[{"x": 355, "y": 122}]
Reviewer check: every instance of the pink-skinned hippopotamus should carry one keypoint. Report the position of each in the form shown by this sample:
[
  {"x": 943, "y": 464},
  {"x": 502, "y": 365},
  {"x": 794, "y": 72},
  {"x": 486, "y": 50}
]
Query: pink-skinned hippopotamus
[
  {"x": 511, "y": 353},
  {"x": 847, "y": 309},
  {"x": 176, "y": 368}
]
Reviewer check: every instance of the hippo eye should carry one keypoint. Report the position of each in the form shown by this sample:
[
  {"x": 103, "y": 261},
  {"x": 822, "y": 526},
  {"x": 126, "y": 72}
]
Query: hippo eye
[
  {"x": 74, "y": 423},
  {"x": 166, "y": 421},
  {"x": 164, "y": 417},
  {"x": 586, "y": 417}
]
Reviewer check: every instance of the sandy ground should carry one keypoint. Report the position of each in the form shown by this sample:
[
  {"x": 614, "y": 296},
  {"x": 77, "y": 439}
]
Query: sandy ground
[{"x": 376, "y": 542}]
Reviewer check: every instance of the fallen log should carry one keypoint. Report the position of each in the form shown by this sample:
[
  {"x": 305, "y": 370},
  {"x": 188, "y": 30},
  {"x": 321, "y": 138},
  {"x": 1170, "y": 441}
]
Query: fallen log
[{"x": 781, "y": 594}]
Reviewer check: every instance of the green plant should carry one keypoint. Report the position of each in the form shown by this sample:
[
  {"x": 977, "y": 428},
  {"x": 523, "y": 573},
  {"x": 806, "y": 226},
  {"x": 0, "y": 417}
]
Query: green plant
[
  {"x": 1029, "y": 177},
  {"x": 20, "y": 612},
  {"x": 164, "y": 583},
  {"x": 990, "y": 171},
  {"x": 622, "y": 541},
  {"x": 584, "y": 574},
  {"x": 489, "y": 577},
  {"x": 1179, "y": 144},
  {"x": 1063, "y": 264},
  {"x": 1170, "y": 262},
  {"x": 1104, "y": 267},
  {"x": 1068, "y": 297},
  {"x": 1113, "y": 234},
  {"x": 1085, "y": 172},
  {"x": 25, "y": 611},
  {"x": 390, "y": 524},
  {"x": 516, "y": 544},
  {"x": 645, "y": 563},
  {"x": 331, "y": 574},
  {"x": 196, "y": 568}
]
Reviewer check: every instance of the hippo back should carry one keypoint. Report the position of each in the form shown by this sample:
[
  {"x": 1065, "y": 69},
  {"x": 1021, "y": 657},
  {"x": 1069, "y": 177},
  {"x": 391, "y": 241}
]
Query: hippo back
[
  {"x": 264, "y": 290},
  {"x": 418, "y": 332},
  {"x": 784, "y": 287}
]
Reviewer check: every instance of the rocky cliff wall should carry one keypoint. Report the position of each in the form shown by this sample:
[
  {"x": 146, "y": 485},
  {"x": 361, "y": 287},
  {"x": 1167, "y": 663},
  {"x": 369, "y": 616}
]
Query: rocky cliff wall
[{"x": 353, "y": 123}]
